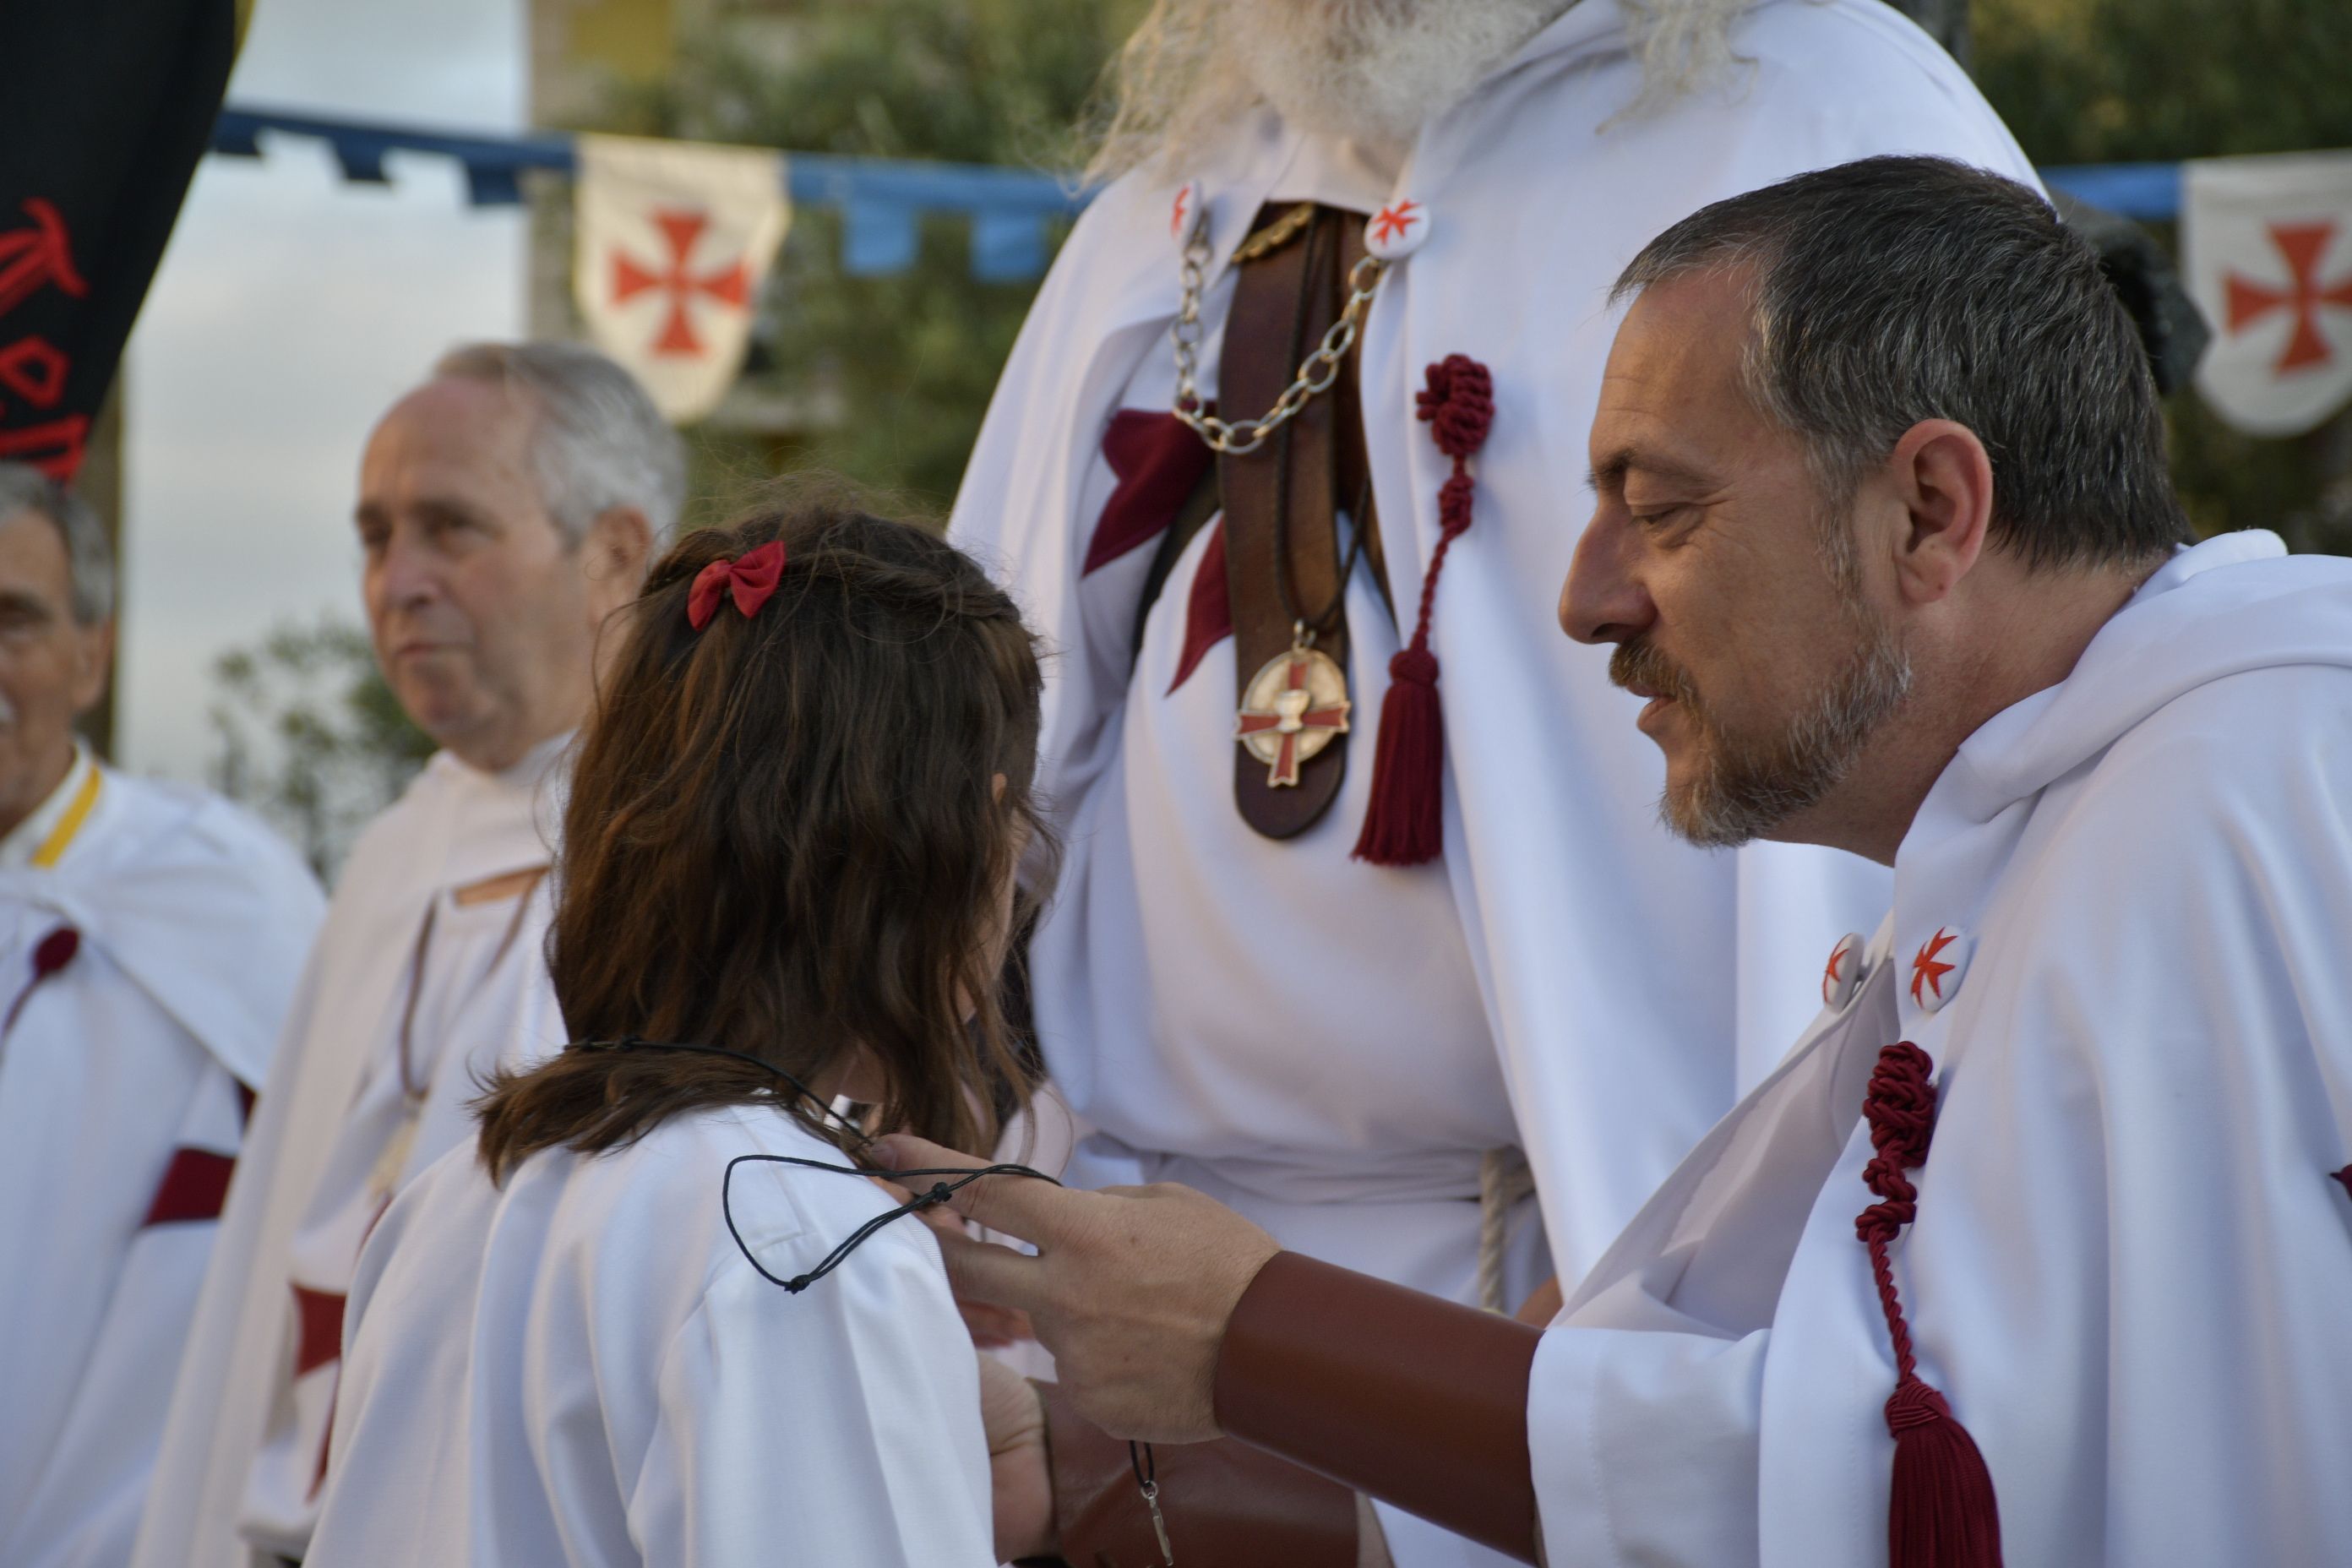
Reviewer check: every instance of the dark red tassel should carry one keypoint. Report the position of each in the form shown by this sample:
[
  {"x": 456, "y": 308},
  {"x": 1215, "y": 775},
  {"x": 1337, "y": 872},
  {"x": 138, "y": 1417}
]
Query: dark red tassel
[
  {"x": 1942, "y": 1512},
  {"x": 1404, "y": 825}
]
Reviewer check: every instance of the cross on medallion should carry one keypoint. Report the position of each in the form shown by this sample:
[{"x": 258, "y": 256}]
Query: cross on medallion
[
  {"x": 730, "y": 285},
  {"x": 1292, "y": 716},
  {"x": 2302, "y": 245}
]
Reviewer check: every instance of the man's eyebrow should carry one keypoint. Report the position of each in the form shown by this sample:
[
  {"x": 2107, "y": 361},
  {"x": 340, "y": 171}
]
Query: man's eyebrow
[
  {"x": 21, "y": 601},
  {"x": 1609, "y": 474}
]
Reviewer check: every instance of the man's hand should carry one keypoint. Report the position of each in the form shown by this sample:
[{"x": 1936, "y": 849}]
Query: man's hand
[
  {"x": 1130, "y": 1289},
  {"x": 1020, "y": 1477}
]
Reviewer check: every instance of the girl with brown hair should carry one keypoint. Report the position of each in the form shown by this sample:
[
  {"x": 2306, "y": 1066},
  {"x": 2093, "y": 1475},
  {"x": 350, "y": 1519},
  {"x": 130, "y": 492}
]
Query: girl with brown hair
[{"x": 787, "y": 885}]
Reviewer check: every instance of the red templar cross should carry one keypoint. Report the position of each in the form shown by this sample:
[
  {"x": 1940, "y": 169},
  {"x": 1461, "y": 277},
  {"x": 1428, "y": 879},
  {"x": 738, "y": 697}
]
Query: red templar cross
[
  {"x": 1395, "y": 221},
  {"x": 731, "y": 287},
  {"x": 2302, "y": 244},
  {"x": 1291, "y": 717}
]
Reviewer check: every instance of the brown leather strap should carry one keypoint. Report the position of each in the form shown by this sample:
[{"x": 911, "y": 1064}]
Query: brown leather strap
[
  {"x": 1415, "y": 1400},
  {"x": 1283, "y": 304},
  {"x": 1225, "y": 1503}
]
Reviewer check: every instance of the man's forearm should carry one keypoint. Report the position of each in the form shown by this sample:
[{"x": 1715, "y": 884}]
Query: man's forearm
[{"x": 1415, "y": 1400}]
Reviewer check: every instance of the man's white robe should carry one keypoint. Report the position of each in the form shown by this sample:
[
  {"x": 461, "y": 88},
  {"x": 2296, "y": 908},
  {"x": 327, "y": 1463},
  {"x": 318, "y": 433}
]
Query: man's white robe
[
  {"x": 2132, "y": 1256},
  {"x": 584, "y": 1368},
  {"x": 1332, "y": 1046},
  {"x": 321, "y": 1129},
  {"x": 124, "y": 1079}
]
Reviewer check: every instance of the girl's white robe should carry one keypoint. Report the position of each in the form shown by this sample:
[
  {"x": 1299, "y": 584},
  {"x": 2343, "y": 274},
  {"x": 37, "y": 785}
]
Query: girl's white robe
[
  {"x": 585, "y": 1369},
  {"x": 2132, "y": 1259},
  {"x": 1329, "y": 1046},
  {"x": 453, "y": 826},
  {"x": 123, "y": 1084}
]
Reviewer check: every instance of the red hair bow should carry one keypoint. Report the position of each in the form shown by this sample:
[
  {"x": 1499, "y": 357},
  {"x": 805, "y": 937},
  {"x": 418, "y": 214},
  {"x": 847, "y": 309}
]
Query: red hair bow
[{"x": 752, "y": 577}]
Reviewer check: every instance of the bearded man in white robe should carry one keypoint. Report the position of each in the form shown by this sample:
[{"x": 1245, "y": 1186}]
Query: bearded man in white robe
[
  {"x": 506, "y": 508},
  {"x": 2036, "y": 1247},
  {"x": 1359, "y": 1005},
  {"x": 150, "y": 940}
]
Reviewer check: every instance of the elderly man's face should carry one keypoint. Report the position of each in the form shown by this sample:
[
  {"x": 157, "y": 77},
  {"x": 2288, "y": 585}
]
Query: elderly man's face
[
  {"x": 1766, "y": 668},
  {"x": 52, "y": 667},
  {"x": 484, "y": 614}
]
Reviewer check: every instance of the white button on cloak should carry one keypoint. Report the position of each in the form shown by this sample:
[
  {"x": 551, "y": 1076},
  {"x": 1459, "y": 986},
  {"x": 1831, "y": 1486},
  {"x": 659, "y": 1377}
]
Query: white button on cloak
[
  {"x": 1397, "y": 230},
  {"x": 1937, "y": 968},
  {"x": 1843, "y": 974}
]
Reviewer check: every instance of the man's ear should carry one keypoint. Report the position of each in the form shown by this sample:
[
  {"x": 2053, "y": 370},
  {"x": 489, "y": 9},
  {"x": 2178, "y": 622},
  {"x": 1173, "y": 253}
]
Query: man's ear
[
  {"x": 615, "y": 555},
  {"x": 93, "y": 656},
  {"x": 1943, "y": 477}
]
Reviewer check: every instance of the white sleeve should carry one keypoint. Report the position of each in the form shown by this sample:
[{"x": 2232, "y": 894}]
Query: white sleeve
[
  {"x": 1645, "y": 1447},
  {"x": 839, "y": 1425},
  {"x": 86, "y": 1506}
]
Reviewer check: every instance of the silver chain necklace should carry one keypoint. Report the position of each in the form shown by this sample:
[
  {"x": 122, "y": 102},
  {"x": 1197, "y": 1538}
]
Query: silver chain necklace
[{"x": 1317, "y": 371}]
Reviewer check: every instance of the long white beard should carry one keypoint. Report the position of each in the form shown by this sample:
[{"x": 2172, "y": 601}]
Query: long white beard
[{"x": 1373, "y": 71}]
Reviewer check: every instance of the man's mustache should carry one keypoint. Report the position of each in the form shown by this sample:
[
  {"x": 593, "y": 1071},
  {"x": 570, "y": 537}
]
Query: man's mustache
[{"x": 1637, "y": 663}]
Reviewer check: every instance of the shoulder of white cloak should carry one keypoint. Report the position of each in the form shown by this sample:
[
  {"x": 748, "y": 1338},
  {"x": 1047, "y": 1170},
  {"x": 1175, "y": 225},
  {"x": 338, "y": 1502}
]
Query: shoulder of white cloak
[
  {"x": 2183, "y": 916},
  {"x": 205, "y": 908},
  {"x": 674, "y": 1187},
  {"x": 1810, "y": 83},
  {"x": 190, "y": 830}
]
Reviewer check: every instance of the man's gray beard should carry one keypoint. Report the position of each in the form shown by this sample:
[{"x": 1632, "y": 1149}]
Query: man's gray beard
[
  {"x": 1745, "y": 788},
  {"x": 1372, "y": 70}
]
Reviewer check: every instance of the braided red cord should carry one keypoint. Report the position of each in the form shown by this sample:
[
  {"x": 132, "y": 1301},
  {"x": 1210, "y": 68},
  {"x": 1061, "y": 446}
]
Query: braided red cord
[
  {"x": 1941, "y": 1511},
  {"x": 1458, "y": 405},
  {"x": 1900, "y": 1106}
]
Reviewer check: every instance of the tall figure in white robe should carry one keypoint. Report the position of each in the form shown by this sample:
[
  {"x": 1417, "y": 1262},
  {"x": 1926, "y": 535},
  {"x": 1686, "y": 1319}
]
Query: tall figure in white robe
[
  {"x": 2035, "y": 1249},
  {"x": 506, "y": 508},
  {"x": 150, "y": 938},
  {"x": 1334, "y": 1047}
]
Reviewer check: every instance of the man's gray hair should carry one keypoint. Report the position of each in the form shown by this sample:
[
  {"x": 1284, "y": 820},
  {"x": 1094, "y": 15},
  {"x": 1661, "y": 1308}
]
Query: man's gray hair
[
  {"x": 89, "y": 553},
  {"x": 1895, "y": 289},
  {"x": 598, "y": 442}
]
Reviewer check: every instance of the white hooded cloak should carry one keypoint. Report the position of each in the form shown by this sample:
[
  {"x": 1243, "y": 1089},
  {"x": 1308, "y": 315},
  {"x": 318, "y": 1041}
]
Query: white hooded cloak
[
  {"x": 124, "y": 1077},
  {"x": 2133, "y": 1249}
]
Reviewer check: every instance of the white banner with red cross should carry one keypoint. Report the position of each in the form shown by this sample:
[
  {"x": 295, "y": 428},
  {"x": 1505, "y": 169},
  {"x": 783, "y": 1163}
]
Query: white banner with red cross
[
  {"x": 674, "y": 240},
  {"x": 2267, "y": 246}
]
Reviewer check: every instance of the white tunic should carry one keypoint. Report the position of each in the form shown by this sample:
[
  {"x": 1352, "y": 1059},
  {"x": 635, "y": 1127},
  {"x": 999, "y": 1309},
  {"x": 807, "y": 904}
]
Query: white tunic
[
  {"x": 248, "y": 1438},
  {"x": 584, "y": 1368},
  {"x": 1333, "y": 1046},
  {"x": 124, "y": 1079},
  {"x": 2132, "y": 1256}
]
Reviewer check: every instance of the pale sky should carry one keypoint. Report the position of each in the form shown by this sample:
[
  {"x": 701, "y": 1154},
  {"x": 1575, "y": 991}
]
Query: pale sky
[{"x": 290, "y": 309}]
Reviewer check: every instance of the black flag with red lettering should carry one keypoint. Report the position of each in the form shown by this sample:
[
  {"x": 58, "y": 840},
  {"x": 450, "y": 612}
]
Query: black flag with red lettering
[{"x": 110, "y": 103}]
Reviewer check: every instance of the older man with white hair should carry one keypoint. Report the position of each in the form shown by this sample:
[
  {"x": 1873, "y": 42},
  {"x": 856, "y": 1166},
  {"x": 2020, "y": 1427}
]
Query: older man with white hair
[
  {"x": 506, "y": 508},
  {"x": 150, "y": 937},
  {"x": 1279, "y": 462}
]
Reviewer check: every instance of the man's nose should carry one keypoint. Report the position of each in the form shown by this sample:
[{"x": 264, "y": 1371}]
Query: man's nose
[
  {"x": 1603, "y": 600},
  {"x": 406, "y": 574}
]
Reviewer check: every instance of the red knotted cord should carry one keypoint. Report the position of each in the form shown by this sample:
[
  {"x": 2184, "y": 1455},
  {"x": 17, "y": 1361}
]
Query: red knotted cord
[
  {"x": 1942, "y": 1512},
  {"x": 1406, "y": 824}
]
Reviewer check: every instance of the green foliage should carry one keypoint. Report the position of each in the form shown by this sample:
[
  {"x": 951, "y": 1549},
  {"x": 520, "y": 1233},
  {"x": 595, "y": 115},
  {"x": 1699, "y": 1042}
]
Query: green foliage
[
  {"x": 310, "y": 735},
  {"x": 907, "y": 361},
  {"x": 2096, "y": 82}
]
